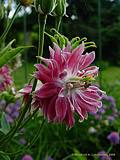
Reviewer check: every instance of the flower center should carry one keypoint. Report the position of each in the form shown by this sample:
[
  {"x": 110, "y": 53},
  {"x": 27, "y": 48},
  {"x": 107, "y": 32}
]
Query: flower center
[{"x": 79, "y": 82}]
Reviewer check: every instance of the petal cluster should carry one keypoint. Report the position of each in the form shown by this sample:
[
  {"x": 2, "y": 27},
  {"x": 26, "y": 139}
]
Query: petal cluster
[
  {"x": 5, "y": 78},
  {"x": 67, "y": 85}
]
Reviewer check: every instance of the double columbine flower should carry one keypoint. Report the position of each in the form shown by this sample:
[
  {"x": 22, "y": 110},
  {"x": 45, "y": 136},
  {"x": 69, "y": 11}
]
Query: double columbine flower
[
  {"x": 67, "y": 85},
  {"x": 5, "y": 78}
]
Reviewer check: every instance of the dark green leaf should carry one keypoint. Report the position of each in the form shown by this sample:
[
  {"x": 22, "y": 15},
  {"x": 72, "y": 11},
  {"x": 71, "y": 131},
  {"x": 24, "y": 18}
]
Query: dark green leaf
[
  {"x": 11, "y": 54},
  {"x": 52, "y": 38},
  {"x": 5, "y": 127},
  {"x": 7, "y": 48},
  {"x": 3, "y": 156}
]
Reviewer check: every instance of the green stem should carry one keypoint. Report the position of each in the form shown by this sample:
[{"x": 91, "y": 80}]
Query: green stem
[
  {"x": 37, "y": 135},
  {"x": 72, "y": 155},
  {"x": 109, "y": 149},
  {"x": 25, "y": 40},
  {"x": 10, "y": 24},
  {"x": 41, "y": 23},
  {"x": 32, "y": 142},
  {"x": 28, "y": 119},
  {"x": 39, "y": 150},
  {"x": 58, "y": 20},
  {"x": 41, "y": 29}
]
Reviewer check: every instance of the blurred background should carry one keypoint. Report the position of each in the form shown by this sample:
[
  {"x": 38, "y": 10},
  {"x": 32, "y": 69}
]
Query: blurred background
[{"x": 99, "y": 21}]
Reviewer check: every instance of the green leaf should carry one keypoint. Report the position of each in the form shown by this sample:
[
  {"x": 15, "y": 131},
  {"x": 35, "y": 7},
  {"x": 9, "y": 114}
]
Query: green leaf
[
  {"x": 7, "y": 56},
  {"x": 78, "y": 156},
  {"x": 60, "y": 38},
  {"x": 7, "y": 48},
  {"x": 51, "y": 37},
  {"x": 5, "y": 127},
  {"x": 3, "y": 156}
]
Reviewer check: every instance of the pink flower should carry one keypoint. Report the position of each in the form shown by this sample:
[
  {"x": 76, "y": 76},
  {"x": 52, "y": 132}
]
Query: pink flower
[
  {"x": 67, "y": 85},
  {"x": 5, "y": 78},
  {"x": 25, "y": 92}
]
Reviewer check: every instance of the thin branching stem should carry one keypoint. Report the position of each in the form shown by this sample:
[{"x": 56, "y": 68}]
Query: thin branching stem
[{"x": 3, "y": 36}]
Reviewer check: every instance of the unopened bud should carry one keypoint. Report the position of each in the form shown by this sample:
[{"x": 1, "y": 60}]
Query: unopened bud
[
  {"x": 60, "y": 9},
  {"x": 26, "y": 2},
  {"x": 44, "y": 6}
]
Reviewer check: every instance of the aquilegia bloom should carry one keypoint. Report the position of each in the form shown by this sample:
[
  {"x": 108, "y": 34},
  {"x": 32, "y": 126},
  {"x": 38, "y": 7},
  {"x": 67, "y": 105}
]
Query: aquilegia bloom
[
  {"x": 67, "y": 85},
  {"x": 5, "y": 78}
]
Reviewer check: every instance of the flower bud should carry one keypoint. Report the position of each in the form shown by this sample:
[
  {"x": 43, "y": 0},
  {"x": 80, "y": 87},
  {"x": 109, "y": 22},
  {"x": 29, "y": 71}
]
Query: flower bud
[
  {"x": 26, "y": 2},
  {"x": 44, "y": 6},
  {"x": 60, "y": 9}
]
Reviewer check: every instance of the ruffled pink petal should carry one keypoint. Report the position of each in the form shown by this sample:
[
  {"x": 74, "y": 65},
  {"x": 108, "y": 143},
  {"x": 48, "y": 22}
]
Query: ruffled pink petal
[
  {"x": 52, "y": 51},
  {"x": 92, "y": 94},
  {"x": 43, "y": 68},
  {"x": 89, "y": 100},
  {"x": 59, "y": 57},
  {"x": 73, "y": 61},
  {"x": 85, "y": 107},
  {"x": 53, "y": 66},
  {"x": 51, "y": 114},
  {"x": 77, "y": 108},
  {"x": 36, "y": 101},
  {"x": 68, "y": 48},
  {"x": 26, "y": 90},
  {"x": 88, "y": 59},
  {"x": 40, "y": 75},
  {"x": 69, "y": 118},
  {"x": 43, "y": 73},
  {"x": 79, "y": 50},
  {"x": 47, "y": 90},
  {"x": 95, "y": 89},
  {"x": 26, "y": 93},
  {"x": 81, "y": 109},
  {"x": 92, "y": 70},
  {"x": 61, "y": 108},
  {"x": 44, "y": 105}
]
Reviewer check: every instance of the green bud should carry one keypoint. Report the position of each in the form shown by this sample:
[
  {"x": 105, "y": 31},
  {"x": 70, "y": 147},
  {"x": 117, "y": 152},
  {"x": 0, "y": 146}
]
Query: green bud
[
  {"x": 26, "y": 2},
  {"x": 44, "y": 6},
  {"x": 60, "y": 9}
]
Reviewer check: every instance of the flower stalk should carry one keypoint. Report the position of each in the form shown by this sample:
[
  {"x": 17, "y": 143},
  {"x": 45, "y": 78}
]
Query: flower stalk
[
  {"x": 2, "y": 38},
  {"x": 58, "y": 20},
  {"x": 41, "y": 24},
  {"x": 109, "y": 149},
  {"x": 37, "y": 135}
]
